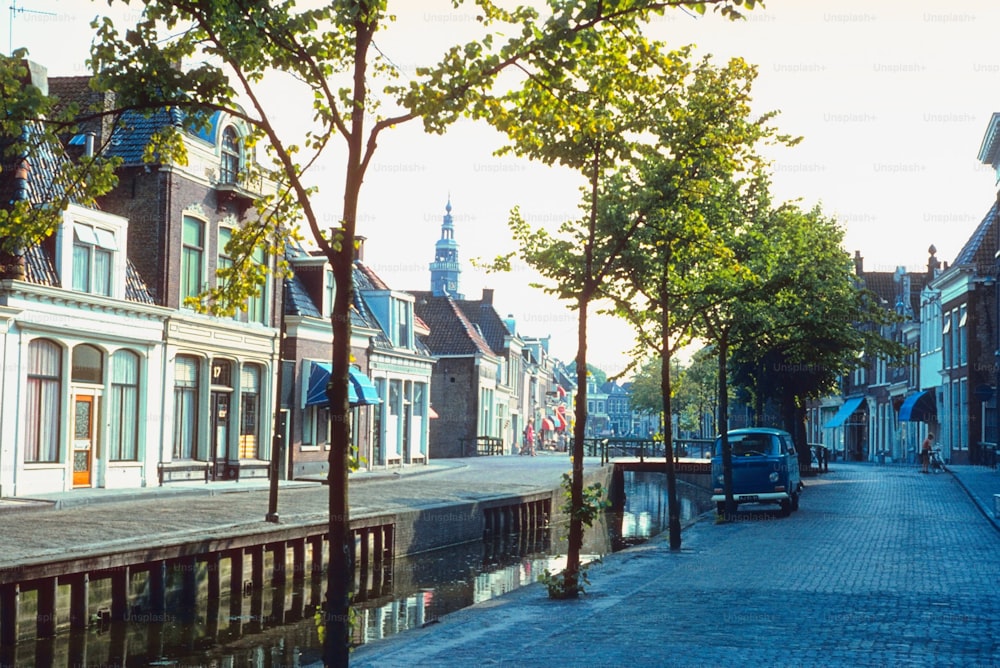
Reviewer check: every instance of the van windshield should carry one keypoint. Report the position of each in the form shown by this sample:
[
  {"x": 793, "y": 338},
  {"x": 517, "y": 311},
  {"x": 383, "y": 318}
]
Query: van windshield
[{"x": 751, "y": 445}]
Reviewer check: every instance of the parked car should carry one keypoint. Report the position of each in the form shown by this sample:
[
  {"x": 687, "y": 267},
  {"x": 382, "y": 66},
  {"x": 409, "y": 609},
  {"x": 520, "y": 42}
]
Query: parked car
[{"x": 765, "y": 469}]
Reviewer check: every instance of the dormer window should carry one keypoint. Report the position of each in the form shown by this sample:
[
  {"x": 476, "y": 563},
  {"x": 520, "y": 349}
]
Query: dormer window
[
  {"x": 229, "y": 167},
  {"x": 93, "y": 255}
]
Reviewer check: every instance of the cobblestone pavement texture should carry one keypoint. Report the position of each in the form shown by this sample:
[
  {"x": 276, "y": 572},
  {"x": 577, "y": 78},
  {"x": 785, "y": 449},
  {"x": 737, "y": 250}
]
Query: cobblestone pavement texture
[
  {"x": 89, "y": 522},
  {"x": 881, "y": 566}
]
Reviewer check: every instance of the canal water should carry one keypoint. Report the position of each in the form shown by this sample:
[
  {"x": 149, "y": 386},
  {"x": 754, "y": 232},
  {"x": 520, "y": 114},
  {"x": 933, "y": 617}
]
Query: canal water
[{"x": 276, "y": 626}]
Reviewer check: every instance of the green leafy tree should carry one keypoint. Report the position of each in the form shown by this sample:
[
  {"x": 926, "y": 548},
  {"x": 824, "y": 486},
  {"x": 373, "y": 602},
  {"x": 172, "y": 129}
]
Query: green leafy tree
[
  {"x": 330, "y": 50},
  {"x": 709, "y": 137},
  {"x": 812, "y": 327},
  {"x": 585, "y": 117},
  {"x": 697, "y": 394}
]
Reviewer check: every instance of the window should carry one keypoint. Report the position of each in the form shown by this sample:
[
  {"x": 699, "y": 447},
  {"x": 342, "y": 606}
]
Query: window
[
  {"x": 88, "y": 365},
  {"x": 42, "y": 418},
  {"x": 185, "y": 406},
  {"x": 403, "y": 327},
  {"x": 229, "y": 168},
  {"x": 225, "y": 262},
  {"x": 255, "y": 308},
  {"x": 316, "y": 425},
  {"x": 249, "y": 411},
  {"x": 330, "y": 294},
  {"x": 93, "y": 251},
  {"x": 192, "y": 258},
  {"x": 124, "y": 434}
]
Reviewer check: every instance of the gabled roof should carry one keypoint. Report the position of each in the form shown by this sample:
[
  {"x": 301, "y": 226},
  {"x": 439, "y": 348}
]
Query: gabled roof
[
  {"x": 982, "y": 245},
  {"x": 452, "y": 332},
  {"x": 491, "y": 326}
]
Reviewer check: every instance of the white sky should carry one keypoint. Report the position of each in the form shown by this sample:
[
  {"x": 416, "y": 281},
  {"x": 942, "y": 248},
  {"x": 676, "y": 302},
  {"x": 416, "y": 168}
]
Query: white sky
[{"x": 892, "y": 99}]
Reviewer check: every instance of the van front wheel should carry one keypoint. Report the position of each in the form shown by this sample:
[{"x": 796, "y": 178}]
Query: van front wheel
[
  {"x": 795, "y": 501},
  {"x": 785, "y": 506}
]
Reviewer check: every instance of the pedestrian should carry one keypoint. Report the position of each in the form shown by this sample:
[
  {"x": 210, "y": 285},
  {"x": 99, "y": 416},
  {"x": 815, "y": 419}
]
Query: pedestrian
[
  {"x": 821, "y": 458},
  {"x": 529, "y": 438},
  {"x": 925, "y": 454}
]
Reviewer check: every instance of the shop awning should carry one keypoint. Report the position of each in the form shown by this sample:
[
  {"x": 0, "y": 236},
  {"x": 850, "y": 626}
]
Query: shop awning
[
  {"x": 360, "y": 391},
  {"x": 846, "y": 410},
  {"x": 919, "y": 407}
]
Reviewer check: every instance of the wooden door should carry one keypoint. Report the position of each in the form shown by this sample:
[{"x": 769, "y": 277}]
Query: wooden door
[{"x": 83, "y": 440}]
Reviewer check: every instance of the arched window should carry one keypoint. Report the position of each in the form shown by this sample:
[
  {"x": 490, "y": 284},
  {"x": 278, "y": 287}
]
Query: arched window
[
  {"x": 124, "y": 436},
  {"x": 41, "y": 438},
  {"x": 229, "y": 168},
  {"x": 88, "y": 364}
]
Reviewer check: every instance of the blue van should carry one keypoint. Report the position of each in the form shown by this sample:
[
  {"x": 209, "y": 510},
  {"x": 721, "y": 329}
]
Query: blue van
[{"x": 765, "y": 469}]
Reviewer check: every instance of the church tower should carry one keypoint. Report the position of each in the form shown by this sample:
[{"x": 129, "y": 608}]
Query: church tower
[{"x": 445, "y": 268}]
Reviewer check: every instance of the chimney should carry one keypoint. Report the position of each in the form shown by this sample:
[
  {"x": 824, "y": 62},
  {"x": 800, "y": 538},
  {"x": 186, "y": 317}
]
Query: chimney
[
  {"x": 488, "y": 296},
  {"x": 88, "y": 147},
  {"x": 359, "y": 248},
  {"x": 859, "y": 263},
  {"x": 38, "y": 76}
]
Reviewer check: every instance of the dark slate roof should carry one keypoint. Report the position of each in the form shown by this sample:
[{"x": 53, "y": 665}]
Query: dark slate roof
[
  {"x": 491, "y": 325},
  {"x": 452, "y": 333},
  {"x": 297, "y": 301},
  {"x": 883, "y": 284},
  {"x": 130, "y": 137},
  {"x": 39, "y": 268},
  {"x": 135, "y": 287},
  {"x": 981, "y": 246},
  {"x": 42, "y": 162}
]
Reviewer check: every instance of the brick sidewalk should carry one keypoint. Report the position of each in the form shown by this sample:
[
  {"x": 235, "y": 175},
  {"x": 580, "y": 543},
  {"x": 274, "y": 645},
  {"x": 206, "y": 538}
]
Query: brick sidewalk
[{"x": 880, "y": 566}]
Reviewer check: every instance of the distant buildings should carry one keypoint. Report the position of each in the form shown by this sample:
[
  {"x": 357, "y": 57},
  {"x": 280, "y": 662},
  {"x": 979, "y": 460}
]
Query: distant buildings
[{"x": 948, "y": 385}]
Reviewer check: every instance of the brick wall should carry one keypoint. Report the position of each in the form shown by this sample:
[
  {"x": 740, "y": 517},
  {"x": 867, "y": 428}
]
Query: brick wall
[{"x": 455, "y": 397}]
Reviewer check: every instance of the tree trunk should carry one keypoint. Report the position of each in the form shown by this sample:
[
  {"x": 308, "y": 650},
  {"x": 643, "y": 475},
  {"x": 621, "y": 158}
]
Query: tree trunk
[
  {"x": 727, "y": 451},
  {"x": 340, "y": 570},
  {"x": 572, "y": 573},
  {"x": 673, "y": 504}
]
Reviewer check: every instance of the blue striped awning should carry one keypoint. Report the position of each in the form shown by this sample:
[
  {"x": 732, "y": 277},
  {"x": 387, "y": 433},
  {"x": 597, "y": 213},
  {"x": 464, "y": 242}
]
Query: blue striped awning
[
  {"x": 360, "y": 391},
  {"x": 846, "y": 410}
]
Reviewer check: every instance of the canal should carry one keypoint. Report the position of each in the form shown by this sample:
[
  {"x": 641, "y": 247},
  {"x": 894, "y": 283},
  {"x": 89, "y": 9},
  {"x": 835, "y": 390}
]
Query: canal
[{"x": 274, "y": 625}]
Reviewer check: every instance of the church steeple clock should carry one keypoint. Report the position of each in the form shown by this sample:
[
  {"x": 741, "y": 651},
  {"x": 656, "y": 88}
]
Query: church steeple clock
[{"x": 445, "y": 269}]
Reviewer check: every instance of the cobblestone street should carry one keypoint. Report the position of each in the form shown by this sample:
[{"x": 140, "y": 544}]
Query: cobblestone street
[{"x": 881, "y": 566}]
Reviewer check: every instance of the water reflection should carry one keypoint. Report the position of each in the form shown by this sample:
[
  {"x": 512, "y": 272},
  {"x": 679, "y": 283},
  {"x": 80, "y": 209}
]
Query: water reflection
[{"x": 274, "y": 626}]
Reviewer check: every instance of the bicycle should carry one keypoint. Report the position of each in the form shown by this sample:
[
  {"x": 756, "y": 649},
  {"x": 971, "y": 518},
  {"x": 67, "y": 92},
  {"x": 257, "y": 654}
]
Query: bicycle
[{"x": 936, "y": 464}]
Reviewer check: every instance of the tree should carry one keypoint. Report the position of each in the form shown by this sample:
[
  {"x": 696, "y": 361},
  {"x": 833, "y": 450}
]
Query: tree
[
  {"x": 812, "y": 324},
  {"x": 585, "y": 116},
  {"x": 697, "y": 394},
  {"x": 709, "y": 138},
  {"x": 331, "y": 52}
]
